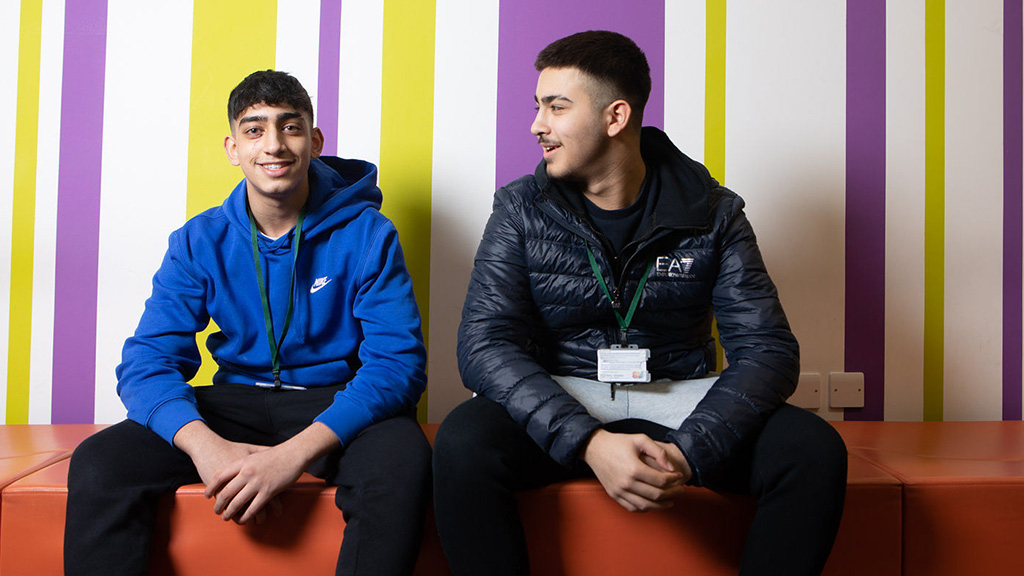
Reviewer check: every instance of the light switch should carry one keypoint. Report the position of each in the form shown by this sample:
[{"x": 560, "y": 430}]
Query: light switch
[
  {"x": 808, "y": 391},
  {"x": 846, "y": 389}
]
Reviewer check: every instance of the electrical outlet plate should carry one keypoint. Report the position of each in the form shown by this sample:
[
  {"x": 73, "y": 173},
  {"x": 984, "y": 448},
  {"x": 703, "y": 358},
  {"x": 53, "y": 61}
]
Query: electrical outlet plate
[
  {"x": 846, "y": 389},
  {"x": 808, "y": 391}
]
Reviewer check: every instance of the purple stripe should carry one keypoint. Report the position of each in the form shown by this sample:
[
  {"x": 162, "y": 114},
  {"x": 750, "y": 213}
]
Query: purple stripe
[
  {"x": 78, "y": 211},
  {"x": 1013, "y": 63},
  {"x": 526, "y": 27},
  {"x": 865, "y": 202},
  {"x": 327, "y": 73}
]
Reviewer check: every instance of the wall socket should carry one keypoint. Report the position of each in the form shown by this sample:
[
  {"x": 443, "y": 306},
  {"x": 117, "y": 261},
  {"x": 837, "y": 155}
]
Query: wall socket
[
  {"x": 808, "y": 391},
  {"x": 846, "y": 389}
]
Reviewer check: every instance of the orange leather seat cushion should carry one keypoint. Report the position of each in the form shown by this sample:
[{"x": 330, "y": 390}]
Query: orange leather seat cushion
[
  {"x": 702, "y": 534},
  {"x": 572, "y": 528},
  {"x": 963, "y": 495}
]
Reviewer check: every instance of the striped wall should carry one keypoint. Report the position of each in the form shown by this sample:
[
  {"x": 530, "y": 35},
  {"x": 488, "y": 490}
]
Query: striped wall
[{"x": 878, "y": 145}]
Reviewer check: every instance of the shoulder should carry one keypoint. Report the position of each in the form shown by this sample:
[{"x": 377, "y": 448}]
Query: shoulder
[
  {"x": 723, "y": 205},
  {"x": 518, "y": 193}
]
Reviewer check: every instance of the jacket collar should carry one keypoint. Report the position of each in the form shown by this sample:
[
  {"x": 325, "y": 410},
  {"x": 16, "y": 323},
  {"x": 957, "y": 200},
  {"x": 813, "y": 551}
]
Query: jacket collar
[{"x": 682, "y": 186}]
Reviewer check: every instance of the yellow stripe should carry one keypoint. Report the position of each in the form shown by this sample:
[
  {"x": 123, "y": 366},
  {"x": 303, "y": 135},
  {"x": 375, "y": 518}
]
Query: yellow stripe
[
  {"x": 24, "y": 208},
  {"x": 406, "y": 137},
  {"x": 230, "y": 39},
  {"x": 935, "y": 207},
  {"x": 714, "y": 90},
  {"x": 714, "y": 112}
]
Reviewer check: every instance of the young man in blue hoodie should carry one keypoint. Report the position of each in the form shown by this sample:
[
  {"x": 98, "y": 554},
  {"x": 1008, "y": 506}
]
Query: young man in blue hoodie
[{"x": 320, "y": 358}]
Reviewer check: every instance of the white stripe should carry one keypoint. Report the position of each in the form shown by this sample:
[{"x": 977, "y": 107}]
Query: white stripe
[
  {"x": 359, "y": 93},
  {"x": 904, "y": 210},
  {"x": 45, "y": 250},
  {"x": 974, "y": 199},
  {"x": 463, "y": 177},
  {"x": 685, "y": 49},
  {"x": 9, "y": 39},
  {"x": 785, "y": 155},
  {"x": 143, "y": 198},
  {"x": 298, "y": 42}
]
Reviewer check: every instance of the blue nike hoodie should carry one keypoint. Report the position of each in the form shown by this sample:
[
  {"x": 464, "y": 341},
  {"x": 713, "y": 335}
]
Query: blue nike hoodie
[{"x": 355, "y": 320}]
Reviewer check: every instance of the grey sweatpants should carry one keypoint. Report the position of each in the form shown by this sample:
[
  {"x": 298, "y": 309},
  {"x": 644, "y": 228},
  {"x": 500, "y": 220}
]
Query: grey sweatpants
[{"x": 666, "y": 402}]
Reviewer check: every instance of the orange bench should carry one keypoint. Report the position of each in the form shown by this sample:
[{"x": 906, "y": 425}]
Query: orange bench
[
  {"x": 573, "y": 528},
  {"x": 963, "y": 491},
  {"x": 893, "y": 510}
]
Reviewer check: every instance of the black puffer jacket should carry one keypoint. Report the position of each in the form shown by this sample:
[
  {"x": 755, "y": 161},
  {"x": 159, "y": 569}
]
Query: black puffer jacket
[{"x": 535, "y": 308}]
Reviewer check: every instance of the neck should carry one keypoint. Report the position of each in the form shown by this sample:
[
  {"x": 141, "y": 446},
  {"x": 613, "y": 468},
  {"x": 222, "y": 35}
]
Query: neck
[
  {"x": 275, "y": 218},
  {"x": 621, "y": 183}
]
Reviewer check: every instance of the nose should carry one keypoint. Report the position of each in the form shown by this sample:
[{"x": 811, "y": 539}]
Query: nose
[
  {"x": 272, "y": 140},
  {"x": 540, "y": 125}
]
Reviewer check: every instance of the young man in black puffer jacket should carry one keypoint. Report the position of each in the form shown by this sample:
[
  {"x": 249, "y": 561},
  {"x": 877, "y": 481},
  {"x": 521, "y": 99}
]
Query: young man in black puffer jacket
[{"x": 586, "y": 335}]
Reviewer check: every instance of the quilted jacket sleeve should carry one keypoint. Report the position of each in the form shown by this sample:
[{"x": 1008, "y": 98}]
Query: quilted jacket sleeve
[
  {"x": 762, "y": 353},
  {"x": 496, "y": 324}
]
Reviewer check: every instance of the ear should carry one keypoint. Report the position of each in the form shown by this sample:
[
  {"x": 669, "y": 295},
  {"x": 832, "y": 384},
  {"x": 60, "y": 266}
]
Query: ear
[
  {"x": 231, "y": 148},
  {"x": 618, "y": 114},
  {"x": 318, "y": 143}
]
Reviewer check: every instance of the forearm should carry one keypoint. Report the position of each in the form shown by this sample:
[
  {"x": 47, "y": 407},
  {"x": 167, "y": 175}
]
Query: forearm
[{"x": 314, "y": 441}]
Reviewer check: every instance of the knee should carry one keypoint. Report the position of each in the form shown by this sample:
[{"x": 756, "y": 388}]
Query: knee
[
  {"x": 818, "y": 451},
  {"x": 467, "y": 440},
  {"x": 93, "y": 464}
]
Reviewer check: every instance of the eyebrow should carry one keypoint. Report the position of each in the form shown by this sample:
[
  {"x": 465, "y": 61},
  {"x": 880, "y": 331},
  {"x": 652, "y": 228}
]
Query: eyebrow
[
  {"x": 549, "y": 99},
  {"x": 263, "y": 118}
]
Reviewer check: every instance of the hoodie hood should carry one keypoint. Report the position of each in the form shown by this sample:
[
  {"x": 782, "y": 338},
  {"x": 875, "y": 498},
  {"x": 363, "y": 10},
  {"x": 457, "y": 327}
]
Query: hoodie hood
[{"x": 340, "y": 190}]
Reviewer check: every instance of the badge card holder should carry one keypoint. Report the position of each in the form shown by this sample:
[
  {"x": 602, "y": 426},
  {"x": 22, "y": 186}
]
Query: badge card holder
[{"x": 623, "y": 365}]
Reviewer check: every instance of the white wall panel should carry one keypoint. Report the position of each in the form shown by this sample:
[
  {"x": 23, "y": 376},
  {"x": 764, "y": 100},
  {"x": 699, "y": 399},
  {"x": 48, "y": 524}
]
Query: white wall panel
[
  {"x": 359, "y": 93},
  {"x": 45, "y": 250},
  {"x": 785, "y": 155},
  {"x": 143, "y": 195},
  {"x": 972, "y": 386},
  {"x": 685, "y": 49},
  {"x": 904, "y": 210},
  {"x": 463, "y": 177},
  {"x": 298, "y": 42}
]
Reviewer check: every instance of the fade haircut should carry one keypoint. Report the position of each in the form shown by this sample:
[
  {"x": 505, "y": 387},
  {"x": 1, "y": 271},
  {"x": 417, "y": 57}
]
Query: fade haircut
[
  {"x": 609, "y": 57},
  {"x": 268, "y": 87}
]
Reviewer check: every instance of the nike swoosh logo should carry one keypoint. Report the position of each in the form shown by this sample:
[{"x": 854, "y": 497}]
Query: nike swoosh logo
[{"x": 318, "y": 284}]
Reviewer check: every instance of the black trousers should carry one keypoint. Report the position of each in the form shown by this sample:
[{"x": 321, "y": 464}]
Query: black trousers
[
  {"x": 118, "y": 475},
  {"x": 796, "y": 468}
]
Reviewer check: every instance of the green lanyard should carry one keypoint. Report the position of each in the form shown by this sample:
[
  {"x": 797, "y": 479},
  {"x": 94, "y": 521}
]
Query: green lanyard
[
  {"x": 623, "y": 322},
  {"x": 275, "y": 346}
]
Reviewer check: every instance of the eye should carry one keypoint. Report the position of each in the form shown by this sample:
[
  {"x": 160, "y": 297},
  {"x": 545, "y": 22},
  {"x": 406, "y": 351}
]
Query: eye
[{"x": 253, "y": 131}]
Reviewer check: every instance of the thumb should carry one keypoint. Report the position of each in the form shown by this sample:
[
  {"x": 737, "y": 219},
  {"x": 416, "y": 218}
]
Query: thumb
[{"x": 651, "y": 449}]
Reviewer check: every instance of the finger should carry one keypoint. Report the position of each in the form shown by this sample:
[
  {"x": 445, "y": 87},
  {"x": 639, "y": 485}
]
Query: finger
[
  {"x": 240, "y": 504},
  {"x": 637, "y": 503},
  {"x": 276, "y": 508},
  {"x": 255, "y": 508},
  {"x": 653, "y": 450},
  {"x": 228, "y": 493},
  {"x": 646, "y": 492},
  {"x": 655, "y": 477},
  {"x": 220, "y": 479}
]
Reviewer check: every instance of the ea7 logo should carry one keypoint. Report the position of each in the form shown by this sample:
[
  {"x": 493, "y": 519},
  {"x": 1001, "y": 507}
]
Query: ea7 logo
[{"x": 673, "y": 267}]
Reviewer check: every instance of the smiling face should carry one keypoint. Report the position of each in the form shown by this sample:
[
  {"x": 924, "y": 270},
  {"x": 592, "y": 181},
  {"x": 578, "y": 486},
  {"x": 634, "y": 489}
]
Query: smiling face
[
  {"x": 570, "y": 125},
  {"x": 273, "y": 145}
]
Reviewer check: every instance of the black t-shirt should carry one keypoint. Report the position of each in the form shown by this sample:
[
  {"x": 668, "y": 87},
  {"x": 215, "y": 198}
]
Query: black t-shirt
[{"x": 620, "y": 226}]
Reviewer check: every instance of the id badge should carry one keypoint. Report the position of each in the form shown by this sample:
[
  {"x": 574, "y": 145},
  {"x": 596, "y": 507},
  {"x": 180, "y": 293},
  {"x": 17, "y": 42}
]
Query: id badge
[{"x": 618, "y": 364}]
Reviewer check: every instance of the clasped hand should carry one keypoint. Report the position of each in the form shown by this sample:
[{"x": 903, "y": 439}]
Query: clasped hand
[{"x": 639, "y": 473}]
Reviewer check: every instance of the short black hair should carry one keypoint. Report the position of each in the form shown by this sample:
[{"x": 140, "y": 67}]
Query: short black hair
[
  {"x": 269, "y": 87},
  {"x": 609, "y": 57}
]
